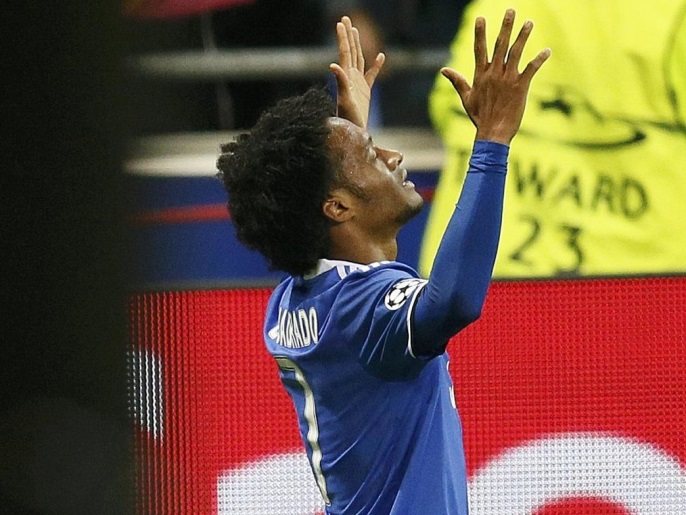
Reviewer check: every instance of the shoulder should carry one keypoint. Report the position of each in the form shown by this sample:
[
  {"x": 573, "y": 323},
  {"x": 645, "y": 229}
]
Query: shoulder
[
  {"x": 382, "y": 269},
  {"x": 350, "y": 286},
  {"x": 387, "y": 284},
  {"x": 380, "y": 275}
]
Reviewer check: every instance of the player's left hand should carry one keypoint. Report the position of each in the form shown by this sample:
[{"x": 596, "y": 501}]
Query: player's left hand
[
  {"x": 496, "y": 99},
  {"x": 354, "y": 85}
]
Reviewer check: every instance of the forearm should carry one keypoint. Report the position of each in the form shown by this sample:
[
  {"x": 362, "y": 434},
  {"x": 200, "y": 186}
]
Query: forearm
[{"x": 461, "y": 274}]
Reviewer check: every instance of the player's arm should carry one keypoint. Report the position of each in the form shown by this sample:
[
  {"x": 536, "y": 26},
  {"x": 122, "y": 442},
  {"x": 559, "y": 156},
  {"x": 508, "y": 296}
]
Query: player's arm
[
  {"x": 354, "y": 85},
  {"x": 461, "y": 274}
]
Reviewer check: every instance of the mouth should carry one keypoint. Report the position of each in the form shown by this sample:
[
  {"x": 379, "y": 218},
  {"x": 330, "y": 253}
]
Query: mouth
[{"x": 404, "y": 181}]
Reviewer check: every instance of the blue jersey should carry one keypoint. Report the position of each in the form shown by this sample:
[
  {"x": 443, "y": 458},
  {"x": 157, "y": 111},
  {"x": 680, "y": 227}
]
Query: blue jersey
[
  {"x": 361, "y": 351},
  {"x": 379, "y": 424}
]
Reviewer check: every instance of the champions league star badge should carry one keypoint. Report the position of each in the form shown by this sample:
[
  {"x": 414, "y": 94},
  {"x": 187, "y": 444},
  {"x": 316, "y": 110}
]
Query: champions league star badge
[{"x": 401, "y": 291}]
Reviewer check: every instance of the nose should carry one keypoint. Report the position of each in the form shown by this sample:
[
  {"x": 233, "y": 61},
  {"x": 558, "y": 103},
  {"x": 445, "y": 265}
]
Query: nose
[{"x": 393, "y": 158}]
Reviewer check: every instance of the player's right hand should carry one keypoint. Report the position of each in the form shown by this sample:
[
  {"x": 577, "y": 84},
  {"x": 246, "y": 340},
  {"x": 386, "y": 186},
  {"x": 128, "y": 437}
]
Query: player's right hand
[{"x": 353, "y": 83}]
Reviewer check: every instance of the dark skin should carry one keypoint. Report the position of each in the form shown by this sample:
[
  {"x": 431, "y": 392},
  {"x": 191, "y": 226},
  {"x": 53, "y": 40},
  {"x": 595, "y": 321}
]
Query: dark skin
[
  {"x": 365, "y": 229},
  {"x": 366, "y": 219}
]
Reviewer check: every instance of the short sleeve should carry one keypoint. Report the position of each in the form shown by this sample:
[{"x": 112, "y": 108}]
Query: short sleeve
[{"x": 376, "y": 309}]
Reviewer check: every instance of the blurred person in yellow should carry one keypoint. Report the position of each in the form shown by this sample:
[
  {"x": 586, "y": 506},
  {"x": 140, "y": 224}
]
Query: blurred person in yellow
[{"x": 598, "y": 182}]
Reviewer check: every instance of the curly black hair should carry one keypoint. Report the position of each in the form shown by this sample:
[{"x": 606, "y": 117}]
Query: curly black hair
[{"x": 277, "y": 177}]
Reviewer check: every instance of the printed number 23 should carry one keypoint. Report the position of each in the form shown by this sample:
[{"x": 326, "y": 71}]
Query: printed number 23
[{"x": 570, "y": 234}]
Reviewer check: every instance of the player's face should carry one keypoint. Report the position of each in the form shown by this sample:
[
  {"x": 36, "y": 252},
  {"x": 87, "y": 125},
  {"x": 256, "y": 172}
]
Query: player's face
[{"x": 376, "y": 173}]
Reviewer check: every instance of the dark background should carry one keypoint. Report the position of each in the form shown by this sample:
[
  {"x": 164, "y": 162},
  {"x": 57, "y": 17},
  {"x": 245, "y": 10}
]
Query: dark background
[{"x": 64, "y": 429}]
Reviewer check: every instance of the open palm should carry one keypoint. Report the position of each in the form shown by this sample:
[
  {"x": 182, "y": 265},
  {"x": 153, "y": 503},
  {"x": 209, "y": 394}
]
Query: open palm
[{"x": 354, "y": 84}]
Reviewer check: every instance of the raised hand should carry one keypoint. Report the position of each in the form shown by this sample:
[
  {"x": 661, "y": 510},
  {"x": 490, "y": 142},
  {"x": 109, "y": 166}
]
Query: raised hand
[
  {"x": 354, "y": 85},
  {"x": 495, "y": 102}
]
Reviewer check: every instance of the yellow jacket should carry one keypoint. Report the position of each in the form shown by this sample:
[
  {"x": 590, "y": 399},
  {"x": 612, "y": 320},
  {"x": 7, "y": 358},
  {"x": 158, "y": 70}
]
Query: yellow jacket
[{"x": 597, "y": 174}]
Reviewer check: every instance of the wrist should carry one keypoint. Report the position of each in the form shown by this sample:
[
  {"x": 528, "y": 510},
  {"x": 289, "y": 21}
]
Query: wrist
[
  {"x": 489, "y": 156},
  {"x": 357, "y": 118},
  {"x": 504, "y": 138}
]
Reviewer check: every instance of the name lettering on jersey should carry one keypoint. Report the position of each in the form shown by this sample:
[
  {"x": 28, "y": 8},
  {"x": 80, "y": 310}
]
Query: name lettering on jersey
[
  {"x": 296, "y": 329},
  {"x": 345, "y": 270}
]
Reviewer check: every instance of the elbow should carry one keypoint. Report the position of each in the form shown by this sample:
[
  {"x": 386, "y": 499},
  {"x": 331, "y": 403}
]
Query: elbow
[
  {"x": 472, "y": 314},
  {"x": 444, "y": 318},
  {"x": 465, "y": 315},
  {"x": 460, "y": 320},
  {"x": 468, "y": 318}
]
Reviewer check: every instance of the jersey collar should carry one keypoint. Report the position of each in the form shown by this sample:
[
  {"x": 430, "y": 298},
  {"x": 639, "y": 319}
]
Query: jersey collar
[{"x": 343, "y": 268}]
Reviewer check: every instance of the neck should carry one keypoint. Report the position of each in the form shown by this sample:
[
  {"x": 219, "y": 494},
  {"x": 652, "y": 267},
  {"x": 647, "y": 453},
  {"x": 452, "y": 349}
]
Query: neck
[{"x": 348, "y": 245}]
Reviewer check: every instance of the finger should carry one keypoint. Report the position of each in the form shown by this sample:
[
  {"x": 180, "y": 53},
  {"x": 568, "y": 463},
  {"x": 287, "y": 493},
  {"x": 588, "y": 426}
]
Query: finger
[
  {"x": 358, "y": 47},
  {"x": 503, "y": 42},
  {"x": 480, "y": 45},
  {"x": 343, "y": 47},
  {"x": 457, "y": 80},
  {"x": 342, "y": 81},
  {"x": 515, "y": 53},
  {"x": 374, "y": 70},
  {"x": 351, "y": 41},
  {"x": 535, "y": 65}
]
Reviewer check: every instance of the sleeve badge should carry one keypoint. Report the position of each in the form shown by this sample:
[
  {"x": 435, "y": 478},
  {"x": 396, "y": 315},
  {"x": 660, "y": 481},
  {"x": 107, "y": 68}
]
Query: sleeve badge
[{"x": 401, "y": 291}]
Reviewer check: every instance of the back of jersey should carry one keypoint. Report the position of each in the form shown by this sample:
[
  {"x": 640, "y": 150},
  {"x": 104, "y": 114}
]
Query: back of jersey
[{"x": 379, "y": 425}]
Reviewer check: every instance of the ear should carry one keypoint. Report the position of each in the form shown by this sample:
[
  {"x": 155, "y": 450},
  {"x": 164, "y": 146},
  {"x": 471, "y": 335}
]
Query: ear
[{"x": 338, "y": 207}]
